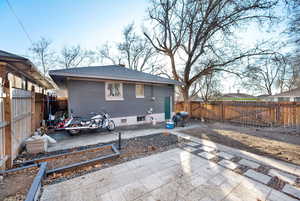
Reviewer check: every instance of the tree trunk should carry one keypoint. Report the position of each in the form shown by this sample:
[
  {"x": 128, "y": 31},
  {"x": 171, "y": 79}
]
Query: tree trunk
[{"x": 186, "y": 99}]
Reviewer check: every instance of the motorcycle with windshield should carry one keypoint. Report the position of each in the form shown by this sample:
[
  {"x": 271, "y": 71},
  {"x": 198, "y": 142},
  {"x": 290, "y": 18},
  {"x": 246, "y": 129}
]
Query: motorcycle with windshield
[{"x": 97, "y": 120}]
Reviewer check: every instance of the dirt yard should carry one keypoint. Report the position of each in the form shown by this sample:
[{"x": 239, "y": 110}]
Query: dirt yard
[
  {"x": 277, "y": 143},
  {"x": 14, "y": 186}
]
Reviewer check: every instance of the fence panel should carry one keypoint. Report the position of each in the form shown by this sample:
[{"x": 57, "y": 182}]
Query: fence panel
[
  {"x": 248, "y": 113},
  {"x": 21, "y": 118},
  {"x": 2, "y": 126}
]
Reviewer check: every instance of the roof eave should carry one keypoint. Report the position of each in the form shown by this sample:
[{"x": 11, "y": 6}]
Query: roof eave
[{"x": 53, "y": 74}]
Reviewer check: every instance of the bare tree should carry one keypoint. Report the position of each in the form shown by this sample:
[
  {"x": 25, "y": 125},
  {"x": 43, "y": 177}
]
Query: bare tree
[
  {"x": 208, "y": 87},
  {"x": 42, "y": 55},
  {"x": 198, "y": 36},
  {"x": 265, "y": 74},
  {"x": 134, "y": 51},
  {"x": 294, "y": 33},
  {"x": 74, "y": 56}
]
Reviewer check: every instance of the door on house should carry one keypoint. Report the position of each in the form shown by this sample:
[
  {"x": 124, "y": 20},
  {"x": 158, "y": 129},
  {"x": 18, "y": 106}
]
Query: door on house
[{"x": 167, "y": 107}]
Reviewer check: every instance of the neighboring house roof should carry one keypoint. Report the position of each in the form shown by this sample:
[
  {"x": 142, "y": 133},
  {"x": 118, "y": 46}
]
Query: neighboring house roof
[
  {"x": 262, "y": 96},
  {"x": 25, "y": 67},
  {"x": 236, "y": 95},
  {"x": 110, "y": 72},
  {"x": 291, "y": 93}
]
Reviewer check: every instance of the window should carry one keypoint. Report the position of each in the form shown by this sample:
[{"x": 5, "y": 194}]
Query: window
[
  {"x": 113, "y": 91},
  {"x": 139, "y": 91},
  {"x": 141, "y": 118}
]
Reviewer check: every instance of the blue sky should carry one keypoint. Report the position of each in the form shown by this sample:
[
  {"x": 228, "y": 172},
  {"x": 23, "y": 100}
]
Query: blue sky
[
  {"x": 89, "y": 23},
  {"x": 67, "y": 22}
]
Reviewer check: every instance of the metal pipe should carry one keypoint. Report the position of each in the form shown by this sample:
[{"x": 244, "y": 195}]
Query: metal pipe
[{"x": 120, "y": 145}]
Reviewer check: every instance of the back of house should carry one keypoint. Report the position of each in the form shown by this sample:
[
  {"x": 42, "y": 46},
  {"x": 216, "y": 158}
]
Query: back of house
[{"x": 127, "y": 95}]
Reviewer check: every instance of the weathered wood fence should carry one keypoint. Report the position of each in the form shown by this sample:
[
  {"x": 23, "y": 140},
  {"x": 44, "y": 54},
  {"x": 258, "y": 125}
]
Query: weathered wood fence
[
  {"x": 21, "y": 112},
  {"x": 285, "y": 114},
  {"x": 2, "y": 126}
]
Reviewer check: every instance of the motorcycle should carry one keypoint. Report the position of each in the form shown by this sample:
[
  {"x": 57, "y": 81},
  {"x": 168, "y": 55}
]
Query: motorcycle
[{"x": 76, "y": 124}]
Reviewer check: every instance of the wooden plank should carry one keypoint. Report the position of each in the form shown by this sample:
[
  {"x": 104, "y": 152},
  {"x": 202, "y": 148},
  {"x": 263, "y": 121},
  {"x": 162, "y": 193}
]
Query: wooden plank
[
  {"x": 7, "y": 115},
  {"x": 33, "y": 114}
]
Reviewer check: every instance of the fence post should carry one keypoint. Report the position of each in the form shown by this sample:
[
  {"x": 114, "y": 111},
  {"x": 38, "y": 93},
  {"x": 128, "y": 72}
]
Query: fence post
[
  {"x": 32, "y": 109},
  {"x": 7, "y": 116},
  {"x": 222, "y": 111}
]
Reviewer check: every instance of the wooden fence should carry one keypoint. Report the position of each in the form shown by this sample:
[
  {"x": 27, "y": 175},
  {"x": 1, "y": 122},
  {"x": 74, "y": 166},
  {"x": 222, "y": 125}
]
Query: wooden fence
[
  {"x": 2, "y": 126},
  {"x": 285, "y": 114},
  {"x": 21, "y": 118},
  {"x": 21, "y": 112}
]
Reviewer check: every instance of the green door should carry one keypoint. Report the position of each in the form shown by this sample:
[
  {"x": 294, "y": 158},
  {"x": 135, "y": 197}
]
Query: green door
[{"x": 167, "y": 107}]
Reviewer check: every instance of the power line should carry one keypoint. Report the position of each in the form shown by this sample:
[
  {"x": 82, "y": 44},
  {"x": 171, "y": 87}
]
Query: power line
[{"x": 19, "y": 21}]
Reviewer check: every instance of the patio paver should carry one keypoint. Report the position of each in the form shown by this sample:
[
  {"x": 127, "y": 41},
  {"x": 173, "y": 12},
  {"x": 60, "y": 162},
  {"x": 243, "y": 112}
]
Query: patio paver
[
  {"x": 206, "y": 155},
  {"x": 283, "y": 175},
  {"x": 228, "y": 164},
  {"x": 258, "y": 176},
  {"x": 292, "y": 190},
  {"x": 225, "y": 155},
  {"x": 249, "y": 163}
]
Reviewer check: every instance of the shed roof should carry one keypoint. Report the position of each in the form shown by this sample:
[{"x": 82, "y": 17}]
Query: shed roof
[
  {"x": 111, "y": 72},
  {"x": 25, "y": 67}
]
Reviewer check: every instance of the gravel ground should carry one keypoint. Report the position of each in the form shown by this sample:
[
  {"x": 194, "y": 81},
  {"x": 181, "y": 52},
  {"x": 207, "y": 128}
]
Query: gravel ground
[{"x": 278, "y": 143}]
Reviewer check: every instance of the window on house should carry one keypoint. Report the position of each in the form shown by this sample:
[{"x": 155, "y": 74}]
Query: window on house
[
  {"x": 139, "y": 91},
  {"x": 113, "y": 91},
  {"x": 141, "y": 118}
]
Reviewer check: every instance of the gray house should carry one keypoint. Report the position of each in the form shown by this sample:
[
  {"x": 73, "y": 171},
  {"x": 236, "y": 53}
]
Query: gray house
[{"x": 127, "y": 95}]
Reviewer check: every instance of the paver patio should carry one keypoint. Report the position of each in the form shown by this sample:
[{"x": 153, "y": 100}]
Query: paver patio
[{"x": 174, "y": 175}]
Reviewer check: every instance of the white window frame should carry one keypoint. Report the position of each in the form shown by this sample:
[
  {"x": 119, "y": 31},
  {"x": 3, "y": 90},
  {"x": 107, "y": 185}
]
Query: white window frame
[
  {"x": 138, "y": 96},
  {"x": 109, "y": 98}
]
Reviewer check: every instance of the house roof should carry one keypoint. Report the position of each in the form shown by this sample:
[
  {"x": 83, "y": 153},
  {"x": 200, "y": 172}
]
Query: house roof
[
  {"x": 291, "y": 93},
  {"x": 21, "y": 65},
  {"x": 237, "y": 95},
  {"x": 110, "y": 72}
]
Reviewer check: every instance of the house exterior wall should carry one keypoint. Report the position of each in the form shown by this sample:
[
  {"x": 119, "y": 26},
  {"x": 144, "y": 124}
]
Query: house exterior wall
[{"x": 89, "y": 96}]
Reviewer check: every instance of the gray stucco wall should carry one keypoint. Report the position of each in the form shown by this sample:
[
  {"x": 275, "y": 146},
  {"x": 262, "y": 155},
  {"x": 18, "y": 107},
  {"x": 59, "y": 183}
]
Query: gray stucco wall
[{"x": 89, "y": 96}]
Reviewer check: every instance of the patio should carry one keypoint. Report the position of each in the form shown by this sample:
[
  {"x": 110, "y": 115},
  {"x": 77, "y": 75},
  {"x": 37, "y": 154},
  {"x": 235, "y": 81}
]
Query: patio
[{"x": 177, "y": 175}]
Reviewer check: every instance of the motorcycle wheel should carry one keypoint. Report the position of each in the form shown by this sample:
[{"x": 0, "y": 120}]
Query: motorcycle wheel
[
  {"x": 73, "y": 131},
  {"x": 111, "y": 125}
]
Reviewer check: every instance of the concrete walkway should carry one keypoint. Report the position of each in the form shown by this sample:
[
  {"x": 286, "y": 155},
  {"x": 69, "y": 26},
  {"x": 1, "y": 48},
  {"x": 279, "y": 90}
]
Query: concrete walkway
[
  {"x": 174, "y": 175},
  {"x": 66, "y": 142}
]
